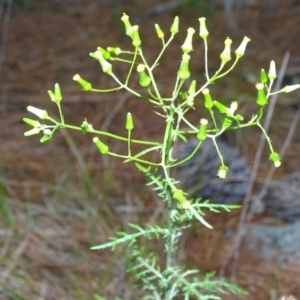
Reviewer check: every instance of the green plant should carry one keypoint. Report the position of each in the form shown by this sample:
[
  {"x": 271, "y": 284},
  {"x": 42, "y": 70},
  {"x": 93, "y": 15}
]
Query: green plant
[{"x": 166, "y": 280}]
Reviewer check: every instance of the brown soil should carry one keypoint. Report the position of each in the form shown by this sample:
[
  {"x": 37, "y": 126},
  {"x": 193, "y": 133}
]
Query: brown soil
[{"x": 52, "y": 193}]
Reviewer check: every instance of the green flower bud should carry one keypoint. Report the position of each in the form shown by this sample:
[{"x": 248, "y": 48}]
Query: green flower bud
[
  {"x": 275, "y": 158},
  {"x": 290, "y": 88},
  {"x": 226, "y": 54},
  {"x": 86, "y": 86},
  {"x": 103, "y": 148},
  {"x": 263, "y": 76},
  {"x": 222, "y": 172},
  {"x": 104, "y": 52},
  {"x": 272, "y": 71},
  {"x": 203, "y": 32},
  {"x": 40, "y": 113},
  {"x": 174, "y": 27},
  {"x": 128, "y": 27},
  {"x": 115, "y": 50},
  {"x": 57, "y": 93},
  {"x": 240, "y": 51},
  {"x": 32, "y": 123},
  {"x": 46, "y": 138},
  {"x": 159, "y": 32},
  {"x": 106, "y": 66},
  {"x": 261, "y": 96},
  {"x": 208, "y": 102},
  {"x": 201, "y": 135},
  {"x": 32, "y": 131},
  {"x": 136, "y": 41},
  {"x": 52, "y": 96},
  {"x": 220, "y": 107},
  {"x": 144, "y": 79},
  {"x": 191, "y": 93},
  {"x": 129, "y": 122},
  {"x": 192, "y": 88},
  {"x": 188, "y": 44},
  {"x": 179, "y": 195},
  {"x": 184, "y": 72}
]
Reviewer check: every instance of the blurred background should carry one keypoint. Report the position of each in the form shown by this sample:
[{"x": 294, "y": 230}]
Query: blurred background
[{"x": 60, "y": 198}]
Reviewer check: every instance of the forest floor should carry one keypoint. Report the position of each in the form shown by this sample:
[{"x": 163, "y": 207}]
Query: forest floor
[{"x": 60, "y": 198}]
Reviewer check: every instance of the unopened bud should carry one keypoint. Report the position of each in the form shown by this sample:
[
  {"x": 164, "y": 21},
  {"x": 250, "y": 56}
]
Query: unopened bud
[
  {"x": 201, "y": 135},
  {"x": 208, "y": 102},
  {"x": 175, "y": 26},
  {"x": 40, "y": 113},
  {"x": 129, "y": 122},
  {"x": 103, "y": 148},
  {"x": 263, "y": 76},
  {"x": 159, "y": 32},
  {"x": 128, "y": 27},
  {"x": 261, "y": 96},
  {"x": 86, "y": 86},
  {"x": 226, "y": 54},
  {"x": 188, "y": 43},
  {"x": 240, "y": 51},
  {"x": 272, "y": 71},
  {"x": 136, "y": 40},
  {"x": 203, "y": 32},
  {"x": 184, "y": 72}
]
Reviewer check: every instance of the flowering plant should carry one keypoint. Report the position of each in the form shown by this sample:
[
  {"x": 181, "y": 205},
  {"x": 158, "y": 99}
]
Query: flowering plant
[{"x": 169, "y": 280}]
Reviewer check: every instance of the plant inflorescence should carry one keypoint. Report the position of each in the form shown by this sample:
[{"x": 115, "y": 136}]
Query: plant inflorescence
[{"x": 169, "y": 280}]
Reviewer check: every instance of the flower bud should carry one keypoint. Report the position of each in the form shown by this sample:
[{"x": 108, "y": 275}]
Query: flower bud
[
  {"x": 128, "y": 27},
  {"x": 144, "y": 79},
  {"x": 31, "y": 122},
  {"x": 129, "y": 122},
  {"x": 40, "y": 113},
  {"x": 201, "y": 135},
  {"x": 115, "y": 50},
  {"x": 191, "y": 93},
  {"x": 136, "y": 41},
  {"x": 208, "y": 102},
  {"x": 290, "y": 88},
  {"x": 240, "y": 51},
  {"x": 52, "y": 96},
  {"x": 103, "y": 148},
  {"x": 188, "y": 43},
  {"x": 192, "y": 88},
  {"x": 57, "y": 93},
  {"x": 226, "y": 54},
  {"x": 220, "y": 107},
  {"x": 86, "y": 86},
  {"x": 203, "y": 32},
  {"x": 106, "y": 66},
  {"x": 174, "y": 27},
  {"x": 104, "y": 52},
  {"x": 222, "y": 172},
  {"x": 272, "y": 71},
  {"x": 179, "y": 195},
  {"x": 32, "y": 131},
  {"x": 261, "y": 96},
  {"x": 46, "y": 137},
  {"x": 263, "y": 76},
  {"x": 159, "y": 32},
  {"x": 233, "y": 107},
  {"x": 275, "y": 158},
  {"x": 184, "y": 72}
]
